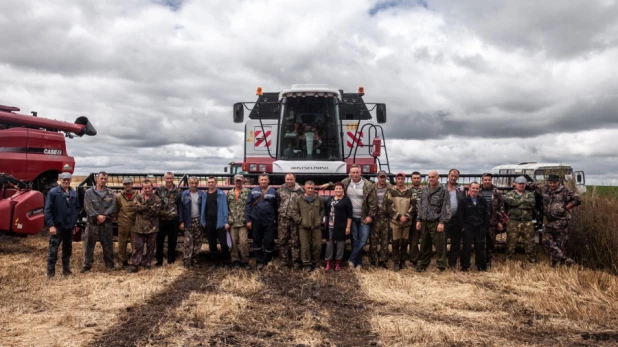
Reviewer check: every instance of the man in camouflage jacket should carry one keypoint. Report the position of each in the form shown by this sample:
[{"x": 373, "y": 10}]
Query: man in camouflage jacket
[
  {"x": 401, "y": 205},
  {"x": 558, "y": 201},
  {"x": 236, "y": 202},
  {"x": 520, "y": 204},
  {"x": 148, "y": 207},
  {"x": 416, "y": 189},
  {"x": 380, "y": 234},
  {"x": 434, "y": 212},
  {"x": 168, "y": 219},
  {"x": 288, "y": 233},
  {"x": 100, "y": 207},
  {"x": 125, "y": 217}
]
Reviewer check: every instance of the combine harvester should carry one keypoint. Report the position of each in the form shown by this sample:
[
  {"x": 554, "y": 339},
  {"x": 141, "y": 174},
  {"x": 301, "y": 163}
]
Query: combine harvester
[
  {"x": 33, "y": 152},
  {"x": 313, "y": 130}
]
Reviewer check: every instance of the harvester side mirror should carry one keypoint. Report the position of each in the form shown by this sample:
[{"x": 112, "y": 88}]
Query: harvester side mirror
[
  {"x": 381, "y": 113},
  {"x": 225, "y": 169},
  {"x": 88, "y": 128},
  {"x": 239, "y": 112}
]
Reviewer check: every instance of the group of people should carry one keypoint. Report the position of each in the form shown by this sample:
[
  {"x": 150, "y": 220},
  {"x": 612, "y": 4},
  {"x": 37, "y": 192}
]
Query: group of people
[{"x": 414, "y": 219}]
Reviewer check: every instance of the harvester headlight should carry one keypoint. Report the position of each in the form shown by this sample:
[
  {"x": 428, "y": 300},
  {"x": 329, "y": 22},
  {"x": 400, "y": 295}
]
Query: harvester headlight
[
  {"x": 262, "y": 167},
  {"x": 252, "y": 167},
  {"x": 366, "y": 168}
]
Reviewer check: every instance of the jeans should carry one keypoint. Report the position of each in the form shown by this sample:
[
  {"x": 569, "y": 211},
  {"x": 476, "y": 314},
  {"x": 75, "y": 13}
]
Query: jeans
[{"x": 360, "y": 234}]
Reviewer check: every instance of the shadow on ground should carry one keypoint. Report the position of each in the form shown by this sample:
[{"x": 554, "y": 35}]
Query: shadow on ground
[{"x": 286, "y": 298}]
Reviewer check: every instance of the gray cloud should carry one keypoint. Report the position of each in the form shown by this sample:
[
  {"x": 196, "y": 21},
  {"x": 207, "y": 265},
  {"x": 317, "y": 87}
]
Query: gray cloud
[
  {"x": 158, "y": 79},
  {"x": 559, "y": 29}
]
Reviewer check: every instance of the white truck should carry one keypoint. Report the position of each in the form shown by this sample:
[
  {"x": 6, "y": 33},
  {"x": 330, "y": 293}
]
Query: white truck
[{"x": 539, "y": 172}]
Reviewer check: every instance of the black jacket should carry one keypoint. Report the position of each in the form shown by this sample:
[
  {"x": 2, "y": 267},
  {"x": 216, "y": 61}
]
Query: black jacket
[
  {"x": 474, "y": 215},
  {"x": 343, "y": 211},
  {"x": 60, "y": 211},
  {"x": 261, "y": 209}
]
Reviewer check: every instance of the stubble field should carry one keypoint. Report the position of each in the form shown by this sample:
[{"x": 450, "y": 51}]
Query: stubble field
[{"x": 512, "y": 305}]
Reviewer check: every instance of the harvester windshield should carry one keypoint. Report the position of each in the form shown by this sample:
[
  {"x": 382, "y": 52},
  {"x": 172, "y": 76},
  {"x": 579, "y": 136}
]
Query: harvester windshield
[{"x": 309, "y": 129}]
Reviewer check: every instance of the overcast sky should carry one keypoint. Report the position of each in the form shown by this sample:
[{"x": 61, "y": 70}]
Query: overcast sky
[{"x": 468, "y": 84}]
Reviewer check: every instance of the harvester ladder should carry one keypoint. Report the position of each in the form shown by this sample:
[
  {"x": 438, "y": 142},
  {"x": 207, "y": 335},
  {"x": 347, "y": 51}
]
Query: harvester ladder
[{"x": 375, "y": 128}]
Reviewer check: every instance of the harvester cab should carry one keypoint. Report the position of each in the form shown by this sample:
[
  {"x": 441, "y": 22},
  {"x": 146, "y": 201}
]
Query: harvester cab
[{"x": 314, "y": 131}]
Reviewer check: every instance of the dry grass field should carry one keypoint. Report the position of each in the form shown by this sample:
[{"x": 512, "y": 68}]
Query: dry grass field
[{"x": 512, "y": 305}]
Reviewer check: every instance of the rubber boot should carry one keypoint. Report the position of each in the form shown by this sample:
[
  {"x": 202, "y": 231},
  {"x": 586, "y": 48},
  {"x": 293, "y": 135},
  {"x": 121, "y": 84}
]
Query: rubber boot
[
  {"x": 66, "y": 270},
  {"x": 396, "y": 244},
  {"x": 404, "y": 253},
  {"x": 337, "y": 265},
  {"x": 328, "y": 262}
]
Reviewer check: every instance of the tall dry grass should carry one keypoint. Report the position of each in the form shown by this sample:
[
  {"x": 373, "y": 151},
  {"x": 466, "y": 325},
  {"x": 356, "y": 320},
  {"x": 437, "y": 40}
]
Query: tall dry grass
[
  {"x": 513, "y": 305},
  {"x": 593, "y": 235}
]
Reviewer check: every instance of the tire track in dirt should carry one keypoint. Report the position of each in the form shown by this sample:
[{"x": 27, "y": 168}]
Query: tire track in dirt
[
  {"x": 334, "y": 302},
  {"x": 139, "y": 323}
]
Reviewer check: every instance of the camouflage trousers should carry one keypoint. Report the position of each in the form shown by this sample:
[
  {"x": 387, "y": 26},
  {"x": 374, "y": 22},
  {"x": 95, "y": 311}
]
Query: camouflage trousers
[
  {"x": 289, "y": 239},
  {"x": 105, "y": 235},
  {"x": 400, "y": 242},
  {"x": 125, "y": 233},
  {"x": 379, "y": 238},
  {"x": 139, "y": 241},
  {"x": 64, "y": 236},
  {"x": 524, "y": 230},
  {"x": 193, "y": 241},
  {"x": 555, "y": 237}
]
